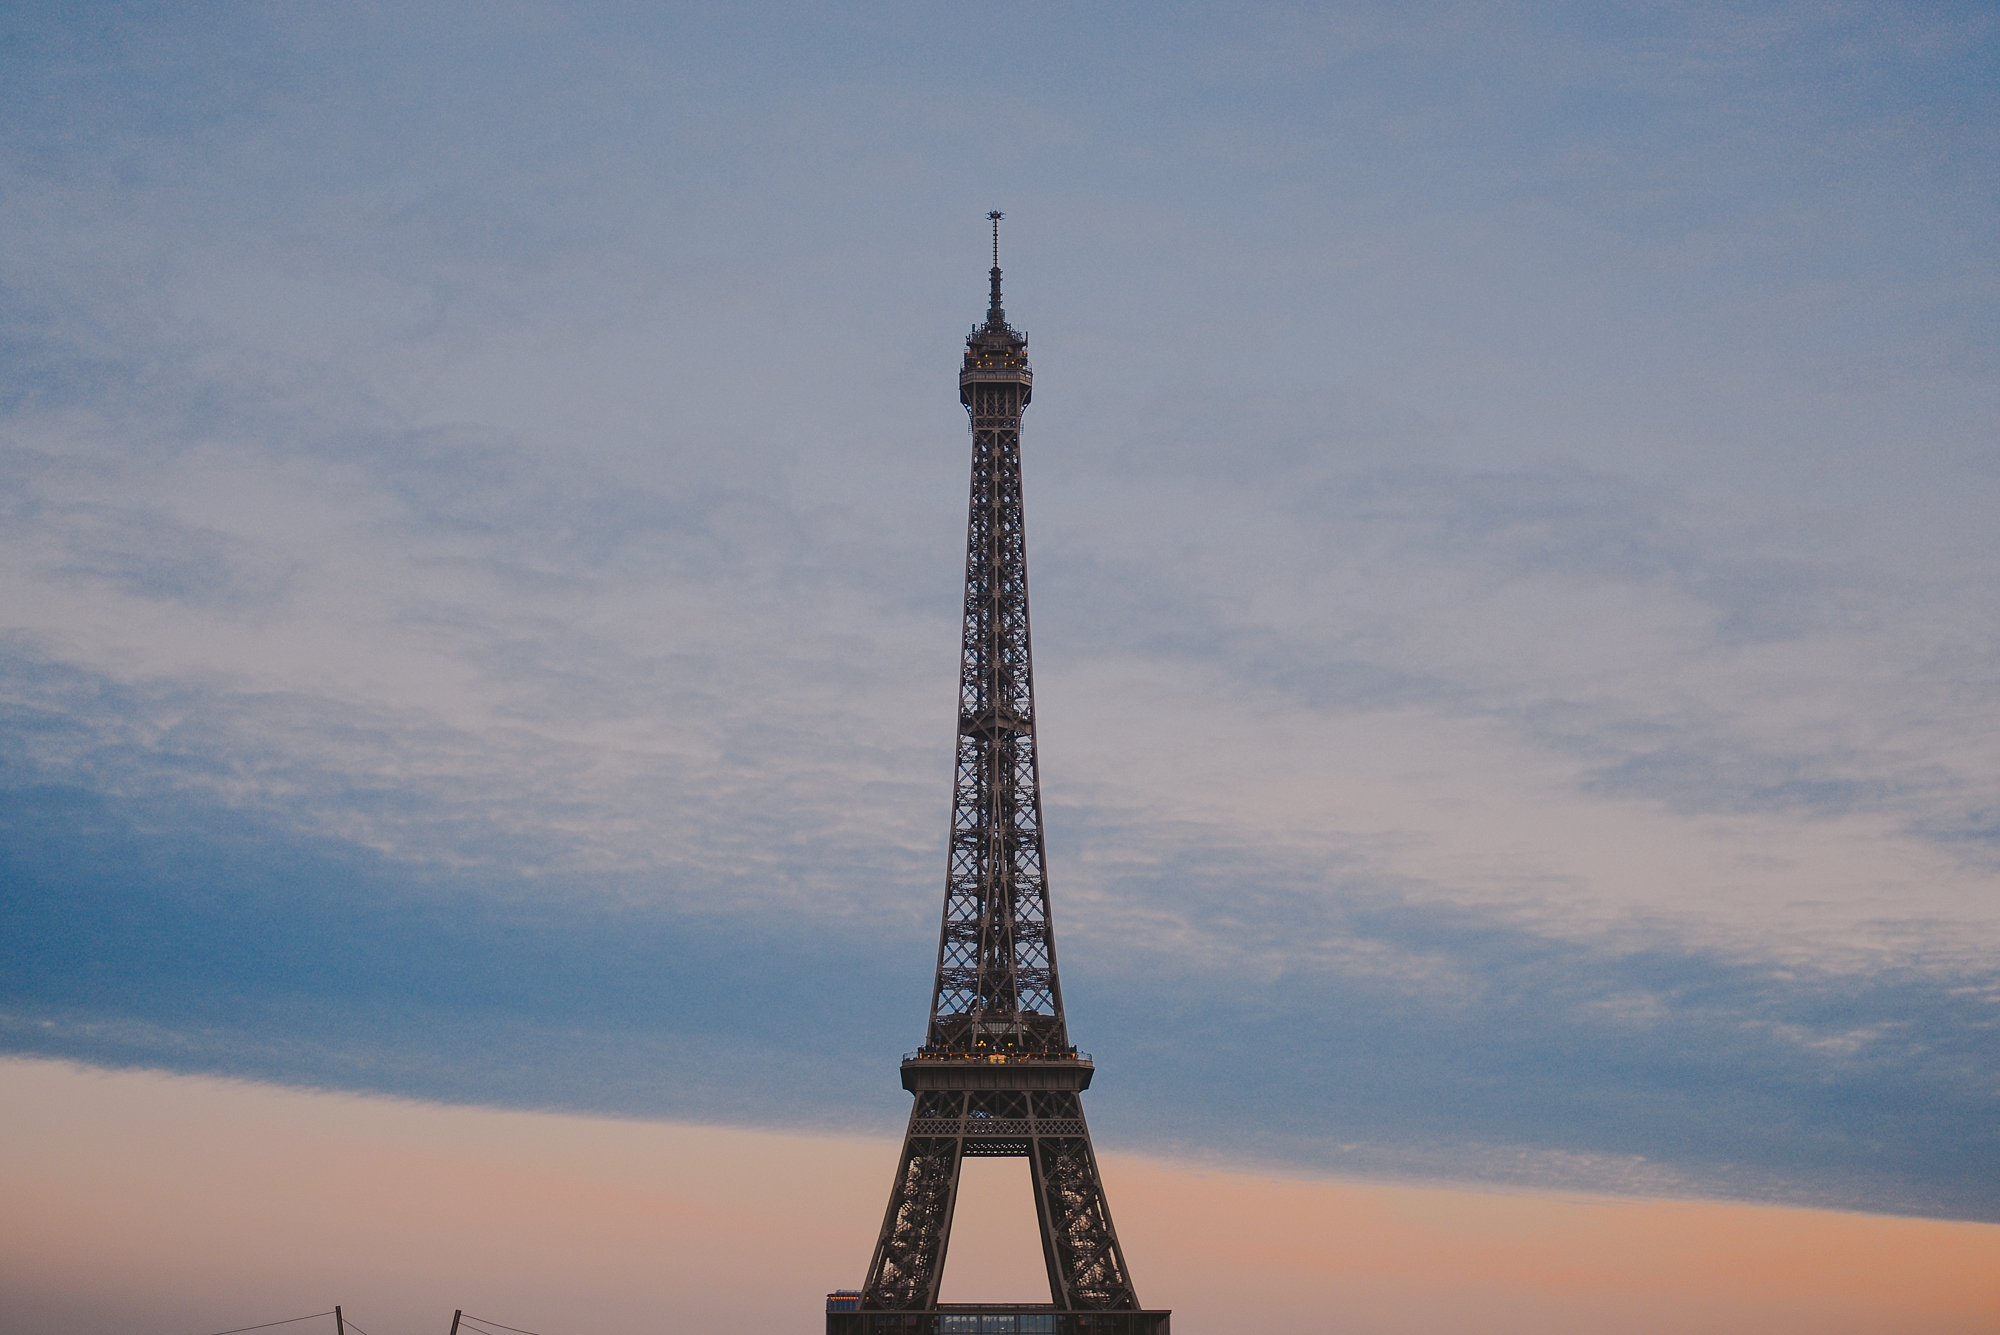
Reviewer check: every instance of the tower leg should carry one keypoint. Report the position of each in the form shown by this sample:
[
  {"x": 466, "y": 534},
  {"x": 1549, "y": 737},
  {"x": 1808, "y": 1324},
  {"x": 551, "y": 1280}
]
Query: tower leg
[
  {"x": 1086, "y": 1267},
  {"x": 909, "y": 1254},
  {"x": 1079, "y": 1245}
]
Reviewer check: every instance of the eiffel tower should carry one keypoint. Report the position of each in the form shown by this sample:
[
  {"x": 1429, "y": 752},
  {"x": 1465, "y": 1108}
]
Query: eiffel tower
[{"x": 997, "y": 1074}]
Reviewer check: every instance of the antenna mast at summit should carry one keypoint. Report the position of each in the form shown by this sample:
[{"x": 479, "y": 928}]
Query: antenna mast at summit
[{"x": 997, "y": 1074}]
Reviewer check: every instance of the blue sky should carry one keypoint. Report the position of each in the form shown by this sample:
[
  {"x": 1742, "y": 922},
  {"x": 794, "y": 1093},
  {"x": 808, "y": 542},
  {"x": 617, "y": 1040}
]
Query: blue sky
[{"x": 1512, "y": 500}]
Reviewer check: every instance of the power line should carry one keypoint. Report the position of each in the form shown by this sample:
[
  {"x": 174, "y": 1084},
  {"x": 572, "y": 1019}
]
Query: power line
[
  {"x": 481, "y": 1327},
  {"x": 286, "y": 1322},
  {"x": 483, "y": 1321}
]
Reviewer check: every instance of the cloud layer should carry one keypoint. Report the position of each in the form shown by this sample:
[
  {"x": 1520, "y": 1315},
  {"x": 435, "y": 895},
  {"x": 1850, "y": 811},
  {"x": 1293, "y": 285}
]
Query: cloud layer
[{"x": 1510, "y": 506}]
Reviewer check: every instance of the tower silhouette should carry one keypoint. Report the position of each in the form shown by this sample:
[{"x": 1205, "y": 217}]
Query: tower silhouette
[{"x": 997, "y": 1074}]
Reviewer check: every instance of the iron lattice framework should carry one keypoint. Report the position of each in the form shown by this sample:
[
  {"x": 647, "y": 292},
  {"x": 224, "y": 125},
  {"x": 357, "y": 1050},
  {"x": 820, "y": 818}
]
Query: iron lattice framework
[{"x": 997, "y": 1074}]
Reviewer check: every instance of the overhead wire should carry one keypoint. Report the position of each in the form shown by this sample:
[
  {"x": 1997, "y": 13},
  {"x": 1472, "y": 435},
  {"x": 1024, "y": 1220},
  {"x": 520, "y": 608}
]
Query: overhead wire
[
  {"x": 475, "y": 1325},
  {"x": 286, "y": 1322},
  {"x": 467, "y": 1316}
]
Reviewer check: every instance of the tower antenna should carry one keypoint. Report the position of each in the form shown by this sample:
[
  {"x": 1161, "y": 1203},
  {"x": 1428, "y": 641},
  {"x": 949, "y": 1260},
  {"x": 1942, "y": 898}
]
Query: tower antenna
[{"x": 995, "y": 316}]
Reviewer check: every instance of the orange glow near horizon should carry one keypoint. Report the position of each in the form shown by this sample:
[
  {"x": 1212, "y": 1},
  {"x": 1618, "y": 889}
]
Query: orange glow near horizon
[{"x": 177, "y": 1204}]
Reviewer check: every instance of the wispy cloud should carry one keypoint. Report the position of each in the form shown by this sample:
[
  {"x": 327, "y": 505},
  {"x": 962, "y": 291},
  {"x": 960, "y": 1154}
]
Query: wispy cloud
[{"x": 1510, "y": 505}]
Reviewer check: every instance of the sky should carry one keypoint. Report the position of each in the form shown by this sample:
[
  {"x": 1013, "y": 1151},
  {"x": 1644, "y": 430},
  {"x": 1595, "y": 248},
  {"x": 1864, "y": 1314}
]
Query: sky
[
  {"x": 404, "y": 1212},
  {"x": 1511, "y": 503}
]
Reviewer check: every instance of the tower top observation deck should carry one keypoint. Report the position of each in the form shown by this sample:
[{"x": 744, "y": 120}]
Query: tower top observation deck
[{"x": 995, "y": 350}]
